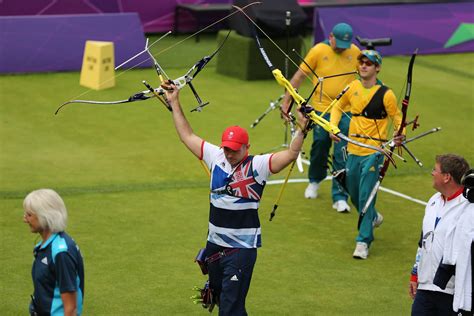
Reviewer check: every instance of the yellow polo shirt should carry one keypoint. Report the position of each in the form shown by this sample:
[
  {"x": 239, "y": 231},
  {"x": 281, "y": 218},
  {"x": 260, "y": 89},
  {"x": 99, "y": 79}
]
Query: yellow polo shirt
[
  {"x": 355, "y": 100},
  {"x": 325, "y": 62}
]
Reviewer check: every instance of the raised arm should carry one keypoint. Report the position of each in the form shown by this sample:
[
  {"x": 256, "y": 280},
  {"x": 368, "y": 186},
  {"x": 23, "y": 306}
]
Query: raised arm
[
  {"x": 183, "y": 128},
  {"x": 283, "y": 158}
]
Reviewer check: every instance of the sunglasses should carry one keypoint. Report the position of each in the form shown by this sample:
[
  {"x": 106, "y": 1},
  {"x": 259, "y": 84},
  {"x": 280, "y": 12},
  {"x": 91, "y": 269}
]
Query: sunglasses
[{"x": 368, "y": 63}]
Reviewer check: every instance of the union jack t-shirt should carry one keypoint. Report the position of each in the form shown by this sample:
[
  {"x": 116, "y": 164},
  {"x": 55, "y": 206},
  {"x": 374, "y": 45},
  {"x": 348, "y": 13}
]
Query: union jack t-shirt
[{"x": 235, "y": 198}]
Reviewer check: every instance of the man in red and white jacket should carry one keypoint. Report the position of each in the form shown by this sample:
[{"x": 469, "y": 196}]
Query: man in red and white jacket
[
  {"x": 459, "y": 254},
  {"x": 441, "y": 215}
]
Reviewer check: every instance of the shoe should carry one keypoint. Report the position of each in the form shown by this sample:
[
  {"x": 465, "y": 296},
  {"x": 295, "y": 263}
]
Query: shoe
[
  {"x": 378, "y": 220},
  {"x": 311, "y": 191},
  {"x": 341, "y": 206},
  {"x": 361, "y": 251}
]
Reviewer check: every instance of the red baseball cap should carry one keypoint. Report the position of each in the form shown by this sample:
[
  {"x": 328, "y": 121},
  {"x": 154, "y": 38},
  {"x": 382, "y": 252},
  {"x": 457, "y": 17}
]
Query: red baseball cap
[{"x": 234, "y": 137}]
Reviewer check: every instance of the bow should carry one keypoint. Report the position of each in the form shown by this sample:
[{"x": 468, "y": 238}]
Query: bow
[
  {"x": 403, "y": 124},
  {"x": 302, "y": 102},
  {"x": 159, "y": 93}
]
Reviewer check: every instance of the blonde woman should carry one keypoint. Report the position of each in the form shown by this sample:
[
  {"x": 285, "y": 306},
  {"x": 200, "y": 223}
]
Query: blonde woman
[{"x": 58, "y": 269}]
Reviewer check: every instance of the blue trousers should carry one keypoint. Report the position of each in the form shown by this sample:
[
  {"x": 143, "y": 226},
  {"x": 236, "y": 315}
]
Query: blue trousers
[
  {"x": 230, "y": 278},
  {"x": 318, "y": 168},
  {"x": 432, "y": 303}
]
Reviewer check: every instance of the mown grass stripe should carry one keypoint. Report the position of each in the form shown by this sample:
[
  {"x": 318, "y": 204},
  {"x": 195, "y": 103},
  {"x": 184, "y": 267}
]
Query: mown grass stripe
[
  {"x": 434, "y": 66},
  {"x": 111, "y": 188}
]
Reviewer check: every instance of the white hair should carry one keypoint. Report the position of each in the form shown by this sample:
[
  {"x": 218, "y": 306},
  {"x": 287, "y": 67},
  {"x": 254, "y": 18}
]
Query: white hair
[{"x": 49, "y": 207}]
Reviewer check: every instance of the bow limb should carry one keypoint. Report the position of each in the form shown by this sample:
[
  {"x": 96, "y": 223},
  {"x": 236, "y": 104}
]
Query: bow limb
[
  {"x": 383, "y": 170},
  {"x": 144, "y": 95},
  {"x": 282, "y": 81},
  {"x": 405, "y": 103},
  {"x": 301, "y": 102},
  {"x": 200, "y": 64},
  {"x": 195, "y": 69},
  {"x": 140, "y": 96},
  {"x": 99, "y": 102}
]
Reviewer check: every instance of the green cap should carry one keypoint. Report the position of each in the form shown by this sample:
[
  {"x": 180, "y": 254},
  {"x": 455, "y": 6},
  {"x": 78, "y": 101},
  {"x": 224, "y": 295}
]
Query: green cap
[
  {"x": 343, "y": 34},
  {"x": 372, "y": 55}
]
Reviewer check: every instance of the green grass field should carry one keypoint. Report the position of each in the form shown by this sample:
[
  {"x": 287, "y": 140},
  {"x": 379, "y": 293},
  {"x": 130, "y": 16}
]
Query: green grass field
[{"x": 138, "y": 203}]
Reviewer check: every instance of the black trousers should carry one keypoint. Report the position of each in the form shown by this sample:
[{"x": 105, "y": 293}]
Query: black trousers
[
  {"x": 230, "y": 277},
  {"x": 432, "y": 303}
]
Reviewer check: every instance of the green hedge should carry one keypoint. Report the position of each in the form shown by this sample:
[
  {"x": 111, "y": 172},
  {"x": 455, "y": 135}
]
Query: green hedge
[{"x": 240, "y": 58}]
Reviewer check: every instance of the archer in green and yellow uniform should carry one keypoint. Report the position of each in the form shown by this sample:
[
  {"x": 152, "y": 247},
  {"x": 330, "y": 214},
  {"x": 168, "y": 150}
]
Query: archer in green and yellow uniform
[
  {"x": 337, "y": 55},
  {"x": 372, "y": 105}
]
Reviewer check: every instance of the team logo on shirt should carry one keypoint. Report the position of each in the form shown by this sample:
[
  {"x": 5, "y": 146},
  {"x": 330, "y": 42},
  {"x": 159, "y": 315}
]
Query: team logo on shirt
[
  {"x": 45, "y": 260},
  {"x": 243, "y": 183}
]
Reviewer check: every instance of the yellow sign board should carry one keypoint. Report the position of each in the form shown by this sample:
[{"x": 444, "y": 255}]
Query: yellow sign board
[{"x": 98, "y": 65}]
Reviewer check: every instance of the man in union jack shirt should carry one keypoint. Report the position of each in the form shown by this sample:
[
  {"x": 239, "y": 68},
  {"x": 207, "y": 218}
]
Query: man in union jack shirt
[{"x": 236, "y": 187}]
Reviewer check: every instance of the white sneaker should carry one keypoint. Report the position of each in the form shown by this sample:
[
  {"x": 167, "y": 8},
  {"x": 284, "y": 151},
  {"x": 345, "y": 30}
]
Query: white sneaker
[
  {"x": 361, "y": 251},
  {"x": 341, "y": 206},
  {"x": 378, "y": 220},
  {"x": 311, "y": 191}
]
